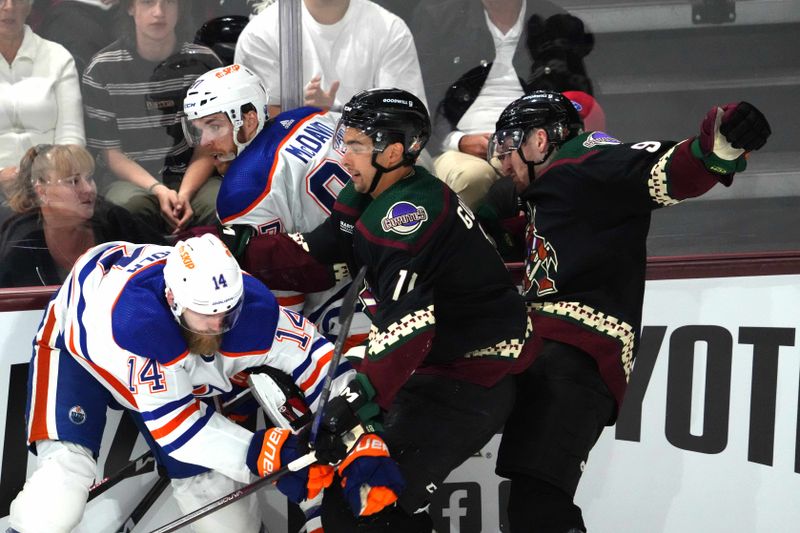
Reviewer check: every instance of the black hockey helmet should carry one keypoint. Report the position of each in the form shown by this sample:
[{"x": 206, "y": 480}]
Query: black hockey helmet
[
  {"x": 549, "y": 110},
  {"x": 388, "y": 116},
  {"x": 220, "y": 34}
]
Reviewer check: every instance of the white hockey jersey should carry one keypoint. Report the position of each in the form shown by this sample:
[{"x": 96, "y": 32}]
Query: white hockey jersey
[
  {"x": 286, "y": 181},
  {"x": 112, "y": 317}
]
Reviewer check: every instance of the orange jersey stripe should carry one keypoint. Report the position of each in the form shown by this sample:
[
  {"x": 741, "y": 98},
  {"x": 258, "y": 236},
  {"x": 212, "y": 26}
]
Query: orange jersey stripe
[
  {"x": 121, "y": 389},
  {"x": 43, "y": 355},
  {"x": 314, "y": 375},
  {"x": 354, "y": 340},
  {"x": 288, "y": 301},
  {"x": 177, "y": 359},
  {"x": 167, "y": 428}
]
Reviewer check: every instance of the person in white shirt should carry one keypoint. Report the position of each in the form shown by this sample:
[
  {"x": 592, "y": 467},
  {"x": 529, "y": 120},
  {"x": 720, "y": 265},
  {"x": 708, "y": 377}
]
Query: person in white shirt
[
  {"x": 471, "y": 76},
  {"x": 348, "y": 46},
  {"x": 41, "y": 98}
]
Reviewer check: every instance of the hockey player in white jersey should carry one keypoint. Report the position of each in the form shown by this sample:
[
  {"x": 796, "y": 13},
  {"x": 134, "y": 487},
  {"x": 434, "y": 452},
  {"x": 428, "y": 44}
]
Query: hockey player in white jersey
[
  {"x": 281, "y": 175},
  {"x": 156, "y": 329}
]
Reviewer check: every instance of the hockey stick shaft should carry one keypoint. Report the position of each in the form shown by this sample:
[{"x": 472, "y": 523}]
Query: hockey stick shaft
[
  {"x": 146, "y": 462},
  {"x": 348, "y": 309},
  {"x": 247, "y": 490},
  {"x": 141, "y": 465}
]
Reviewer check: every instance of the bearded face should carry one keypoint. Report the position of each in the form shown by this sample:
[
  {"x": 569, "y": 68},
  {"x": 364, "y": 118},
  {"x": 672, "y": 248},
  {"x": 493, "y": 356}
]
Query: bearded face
[{"x": 202, "y": 344}]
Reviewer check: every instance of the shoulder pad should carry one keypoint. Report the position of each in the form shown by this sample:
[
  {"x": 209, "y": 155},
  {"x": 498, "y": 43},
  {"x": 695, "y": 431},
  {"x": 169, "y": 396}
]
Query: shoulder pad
[
  {"x": 296, "y": 135},
  {"x": 585, "y": 143},
  {"x": 141, "y": 321},
  {"x": 255, "y": 329},
  {"x": 409, "y": 212}
]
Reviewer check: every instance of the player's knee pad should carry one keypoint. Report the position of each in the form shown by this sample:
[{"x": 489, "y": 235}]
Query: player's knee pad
[
  {"x": 62, "y": 479},
  {"x": 194, "y": 492}
]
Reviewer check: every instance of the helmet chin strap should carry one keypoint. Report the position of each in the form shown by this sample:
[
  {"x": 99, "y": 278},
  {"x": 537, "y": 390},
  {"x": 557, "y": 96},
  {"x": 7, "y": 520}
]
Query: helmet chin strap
[
  {"x": 380, "y": 170},
  {"x": 533, "y": 164},
  {"x": 176, "y": 308},
  {"x": 240, "y": 146}
]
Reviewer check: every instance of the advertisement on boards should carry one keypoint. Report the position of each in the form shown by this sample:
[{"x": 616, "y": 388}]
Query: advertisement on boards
[{"x": 707, "y": 439}]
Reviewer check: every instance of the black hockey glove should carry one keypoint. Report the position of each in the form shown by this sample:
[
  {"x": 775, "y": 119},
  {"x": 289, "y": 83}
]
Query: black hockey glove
[
  {"x": 745, "y": 127},
  {"x": 342, "y": 414},
  {"x": 727, "y": 134}
]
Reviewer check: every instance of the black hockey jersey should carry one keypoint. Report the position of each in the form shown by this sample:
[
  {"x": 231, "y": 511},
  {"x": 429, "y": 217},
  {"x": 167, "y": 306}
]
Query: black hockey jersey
[
  {"x": 446, "y": 303},
  {"x": 589, "y": 215}
]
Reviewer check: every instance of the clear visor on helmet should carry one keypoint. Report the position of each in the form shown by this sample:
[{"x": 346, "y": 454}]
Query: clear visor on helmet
[
  {"x": 215, "y": 324},
  {"x": 206, "y": 129},
  {"x": 348, "y": 138},
  {"x": 502, "y": 144}
]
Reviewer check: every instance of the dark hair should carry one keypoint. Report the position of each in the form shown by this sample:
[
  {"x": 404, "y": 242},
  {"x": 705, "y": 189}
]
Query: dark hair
[{"x": 184, "y": 28}]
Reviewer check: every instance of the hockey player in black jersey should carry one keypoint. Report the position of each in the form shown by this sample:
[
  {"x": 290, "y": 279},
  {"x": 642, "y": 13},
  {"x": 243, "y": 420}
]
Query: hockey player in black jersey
[
  {"x": 589, "y": 203},
  {"x": 449, "y": 326}
]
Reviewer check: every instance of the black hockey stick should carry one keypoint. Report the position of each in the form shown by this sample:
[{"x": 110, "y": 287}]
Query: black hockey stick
[
  {"x": 348, "y": 309},
  {"x": 146, "y": 462},
  {"x": 149, "y": 499},
  {"x": 141, "y": 465}
]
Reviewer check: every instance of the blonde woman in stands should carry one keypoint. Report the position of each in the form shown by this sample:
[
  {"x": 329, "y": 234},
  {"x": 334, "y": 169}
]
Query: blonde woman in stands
[
  {"x": 41, "y": 99},
  {"x": 58, "y": 217}
]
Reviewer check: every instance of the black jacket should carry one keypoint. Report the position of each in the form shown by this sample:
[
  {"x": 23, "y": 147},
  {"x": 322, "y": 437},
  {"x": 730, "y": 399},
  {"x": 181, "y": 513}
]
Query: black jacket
[{"x": 25, "y": 259}]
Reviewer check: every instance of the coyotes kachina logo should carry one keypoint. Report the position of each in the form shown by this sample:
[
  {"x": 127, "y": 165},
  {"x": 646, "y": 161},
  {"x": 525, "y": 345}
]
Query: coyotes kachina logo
[{"x": 540, "y": 258}]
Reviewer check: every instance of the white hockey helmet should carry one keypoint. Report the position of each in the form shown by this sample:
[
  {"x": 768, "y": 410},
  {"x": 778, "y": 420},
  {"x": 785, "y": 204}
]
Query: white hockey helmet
[
  {"x": 224, "y": 90},
  {"x": 204, "y": 277}
]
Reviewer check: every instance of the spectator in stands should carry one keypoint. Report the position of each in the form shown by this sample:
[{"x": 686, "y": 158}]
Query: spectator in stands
[
  {"x": 83, "y": 27},
  {"x": 133, "y": 93},
  {"x": 474, "y": 61},
  {"x": 59, "y": 217},
  {"x": 348, "y": 46},
  {"x": 40, "y": 100}
]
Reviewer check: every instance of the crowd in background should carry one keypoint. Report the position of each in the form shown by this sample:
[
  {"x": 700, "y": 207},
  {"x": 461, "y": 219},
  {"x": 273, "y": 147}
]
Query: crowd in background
[{"x": 91, "y": 92}]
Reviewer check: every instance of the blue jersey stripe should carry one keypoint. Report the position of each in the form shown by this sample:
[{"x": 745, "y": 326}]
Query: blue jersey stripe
[
  {"x": 167, "y": 408},
  {"x": 189, "y": 433},
  {"x": 344, "y": 367},
  {"x": 88, "y": 268},
  {"x": 313, "y": 317},
  {"x": 297, "y": 372}
]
